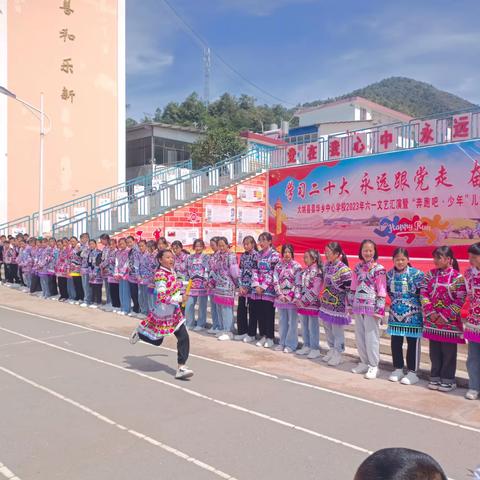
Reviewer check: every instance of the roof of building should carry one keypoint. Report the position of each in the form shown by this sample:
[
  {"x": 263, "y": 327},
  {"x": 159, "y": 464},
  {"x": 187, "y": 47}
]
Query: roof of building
[
  {"x": 361, "y": 101},
  {"x": 165, "y": 125}
]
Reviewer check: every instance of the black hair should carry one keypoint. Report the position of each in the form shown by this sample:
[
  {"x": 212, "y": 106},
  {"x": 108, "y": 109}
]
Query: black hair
[
  {"x": 162, "y": 252},
  {"x": 122, "y": 239},
  {"x": 85, "y": 234},
  {"x": 289, "y": 247},
  {"x": 375, "y": 251},
  {"x": 214, "y": 240},
  {"x": 445, "y": 251},
  {"x": 335, "y": 247},
  {"x": 92, "y": 240},
  {"x": 315, "y": 255},
  {"x": 224, "y": 240},
  {"x": 142, "y": 241},
  {"x": 400, "y": 464},
  {"x": 250, "y": 239},
  {"x": 151, "y": 244},
  {"x": 200, "y": 241},
  {"x": 401, "y": 251},
  {"x": 74, "y": 238},
  {"x": 177, "y": 243},
  {"x": 130, "y": 237},
  {"x": 266, "y": 236},
  {"x": 105, "y": 236},
  {"x": 474, "y": 249},
  {"x": 163, "y": 240}
]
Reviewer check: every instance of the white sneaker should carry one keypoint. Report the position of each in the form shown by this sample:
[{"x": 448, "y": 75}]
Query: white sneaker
[
  {"x": 76, "y": 302},
  {"x": 328, "y": 355},
  {"x": 198, "y": 328},
  {"x": 132, "y": 314},
  {"x": 287, "y": 350},
  {"x": 279, "y": 348},
  {"x": 93, "y": 305},
  {"x": 472, "y": 394},
  {"x": 71, "y": 302},
  {"x": 396, "y": 375},
  {"x": 225, "y": 336},
  {"x": 409, "y": 379},
  {"x": 361, "y": 368},
  {"x": 121, "y": 312},
  {"x": 134, "y": 337},
  {"x": 240, "y": 338},
  {"x": 268, "y": 343},
  {"x": 248, "y": 339},
  {"x": 303, "y": 351},
  {"x": 372, "y": 373},
  {"x": 313, "y": 354},
  {"x": 336, "y": 359},
  {"x": 183, "y": 373},
  {"x": 261, "y": 342}
]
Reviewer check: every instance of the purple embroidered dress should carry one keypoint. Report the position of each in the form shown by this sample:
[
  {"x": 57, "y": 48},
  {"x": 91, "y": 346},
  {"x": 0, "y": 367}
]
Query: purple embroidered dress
[
  {"x": 225, "y": 278},
  {"x": 472, "y": 324},
  {"x": 308, "y": 289},
  {"x": 286, "y": 277},
  {"x": 198, "y": 270},
  {"x": 333, "y": 299},
  {"x": 263, "y": 275},
  {"x": 248, "y": 262}
]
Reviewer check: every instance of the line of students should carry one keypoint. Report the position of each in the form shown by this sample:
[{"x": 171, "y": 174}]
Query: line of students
[{"x": 331, "y": 294}]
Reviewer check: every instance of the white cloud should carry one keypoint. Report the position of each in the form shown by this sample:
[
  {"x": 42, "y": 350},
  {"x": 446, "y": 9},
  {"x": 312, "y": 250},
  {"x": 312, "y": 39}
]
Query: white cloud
[
  {"x": 147, "y": 61},
  {"x": 260, "y": 7}
]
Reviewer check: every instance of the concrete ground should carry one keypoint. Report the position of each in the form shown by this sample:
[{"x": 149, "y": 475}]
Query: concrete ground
[{"x": 79, "y": 402}]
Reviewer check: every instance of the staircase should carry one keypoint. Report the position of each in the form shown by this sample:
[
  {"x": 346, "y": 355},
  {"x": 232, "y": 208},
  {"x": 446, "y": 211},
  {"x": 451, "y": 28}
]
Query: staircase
[{"x": 119, "y": 207}]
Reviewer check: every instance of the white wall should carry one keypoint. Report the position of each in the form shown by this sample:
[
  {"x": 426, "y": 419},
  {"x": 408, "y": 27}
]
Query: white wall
[
  {"x": 3, "y": 113},
  {"x": 121, "y": 86},
  {"x": 335, "y": 113}
]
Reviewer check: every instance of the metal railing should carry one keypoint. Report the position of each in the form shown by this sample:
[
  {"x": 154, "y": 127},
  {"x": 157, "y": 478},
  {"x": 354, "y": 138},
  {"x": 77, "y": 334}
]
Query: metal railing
[
  {"x": 138, "y": 207},
  {"x": 62, "y": 213},
  {"x": 441, "y": 129}
]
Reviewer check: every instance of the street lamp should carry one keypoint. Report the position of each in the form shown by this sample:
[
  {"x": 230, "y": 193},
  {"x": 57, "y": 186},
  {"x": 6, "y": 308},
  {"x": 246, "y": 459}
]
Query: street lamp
[{"x": 42, "y": 117}]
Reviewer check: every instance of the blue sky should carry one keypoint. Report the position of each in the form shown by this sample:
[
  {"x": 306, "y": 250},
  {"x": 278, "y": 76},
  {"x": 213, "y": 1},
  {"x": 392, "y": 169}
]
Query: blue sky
[{"x": 299, "y": 50}]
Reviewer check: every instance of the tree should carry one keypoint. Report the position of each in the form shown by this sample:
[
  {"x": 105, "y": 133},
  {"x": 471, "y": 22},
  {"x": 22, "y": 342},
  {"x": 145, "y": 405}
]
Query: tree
[
  {"x": 192, "y": 111},
  {"x": 130, "y": 122},
  {"x": 171, "y": 114},
  {"x": 158, "y": 115},
  {"x": 217, "y": 145}
]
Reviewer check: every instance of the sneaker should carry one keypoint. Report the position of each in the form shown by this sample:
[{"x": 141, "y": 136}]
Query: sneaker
[
  {"x": 121, "y": 312},
  {"x": 447, "y": 387},
  {"x": 372, "y": 373},
  {"x": 361, "y": 368},
  {"x": 225, "y": 336},
  {"x": 198, "y": 328},
  {"x": 313, "y": 354},
  {"x": 409, "y": 379},
  {"x": 76, "y": 302},
  {"x": 71, "y": 302},
  {"x": 93, "y": 305},
  {"x": 132, "y": 314},
  {"x": 240, "y": 338},
  {"x": 248, "y": 339},
  {"x": 472, "y": 395},
  {"x": 134, "y": 337},
  {"x": 279, "y": 348},
  {"x": 287, "y": 350},
  {"x": 328, "y": 355},
  {"x": 303, "y": 351},
  {"x": 396, "y": 375},
  {"x": 268, "y": 343},
  {"x": 183, "y": 373},
  {"x": 84, "y": 305},
  {"x": 335, "y": 360},
  {"x": 213, "y": 331},
  {"x": 433, "y": 385},
  {"x": 261, "y": 342}
]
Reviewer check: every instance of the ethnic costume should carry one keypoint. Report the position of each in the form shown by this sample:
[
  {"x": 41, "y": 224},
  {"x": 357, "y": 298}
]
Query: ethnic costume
[
  {"x": 197, "y": 272},
  {"x": 472, "y": 327},
  {"x": 246, "y": 318},
  {"x": 443, "y": 293}
]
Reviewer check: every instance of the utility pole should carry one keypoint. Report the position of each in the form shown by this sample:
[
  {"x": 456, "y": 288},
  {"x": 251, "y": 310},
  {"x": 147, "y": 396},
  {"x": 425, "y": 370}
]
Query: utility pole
[{"x": 206, "y": 79}]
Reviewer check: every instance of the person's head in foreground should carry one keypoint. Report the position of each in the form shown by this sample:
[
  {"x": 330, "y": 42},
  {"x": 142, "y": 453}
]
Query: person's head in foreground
[{"x": 399, "y": 464}]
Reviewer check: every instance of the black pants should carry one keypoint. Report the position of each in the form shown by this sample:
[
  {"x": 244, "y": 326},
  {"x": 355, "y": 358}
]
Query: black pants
[
  {"x": 443, "y": 356},
  {"x": 11, "y": 272},
  {"x": 246, "y": 318},
  {"x": 52, "y": 285},
  {"x": 62, "y": 286},
  {"x": 264, "y": 312},
  {"x": 183, "y": 344},
  {"x": 20, "y": 276},
  {"x": 77, "y": 284},
  {"x": 134, "y": 296},
  {"x": 96, "y": 289},
  {"x": 413, "y": 352},
  {"x": 35, "y": 284},
  {"x": 114, "y": 294}
]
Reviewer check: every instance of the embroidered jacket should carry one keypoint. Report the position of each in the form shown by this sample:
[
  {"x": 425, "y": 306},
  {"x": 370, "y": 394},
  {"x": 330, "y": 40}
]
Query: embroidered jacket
[
  {"x": 211, "y": 273},
  {"x": 307, "y": 290},
  {"x": 368, "y": 289},
  {"x": 147, "y": 267},
  {"x": 166, "y": 316},
  {"x": 84, "y": 254},
  {"x": 180, "y": 265},
  {"x": 198, "y": 270},
  {"x": 248, "y": 261},
  {"x": 121, "y": 264},
  {"x": 52, "y": 261},
  {"x": 61, "y": 267},
  {"x": 94, "y": 266},
  {"x": 286, "y": 277},
  {"x": 472, "y": 325},
  {"x": 263, "y": 274},
  {"x": 405, "y": 318},
  {"x": 75, "y": 261},
  {"x": 133, "y": 264},
  {"x": 27, "y": 259},
  {"x": 443, "y": 293},
  {"x": 225, "y": 277},
  {"x": 44, "y": 257},
  {"x": 10, "y": 255},
  {"x": 109, "y": 266},
  {"x": 336, "y": 287},
  {"x": 35, "y": 254}
]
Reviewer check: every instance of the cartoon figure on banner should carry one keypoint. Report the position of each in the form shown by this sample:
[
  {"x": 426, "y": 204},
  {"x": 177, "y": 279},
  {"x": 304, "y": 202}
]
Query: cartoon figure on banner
[
  {"x": 139, "y": 234},
  {"x": 194, "y": 218},
  {"x": 157, "y": 234}
]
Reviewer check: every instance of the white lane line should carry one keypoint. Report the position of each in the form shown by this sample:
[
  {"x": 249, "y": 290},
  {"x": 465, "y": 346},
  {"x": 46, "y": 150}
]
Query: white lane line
[
  {"x": 275, "y": 377},
  {"x": 7, "y": 473},
  {"x": 103, "y": 418},
  {"x": 196, "y": 394}
]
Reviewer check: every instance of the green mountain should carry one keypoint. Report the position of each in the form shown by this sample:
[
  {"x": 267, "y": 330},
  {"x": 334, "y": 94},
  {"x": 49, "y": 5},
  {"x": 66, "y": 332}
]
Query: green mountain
[{"x": 406, "y": 95}]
